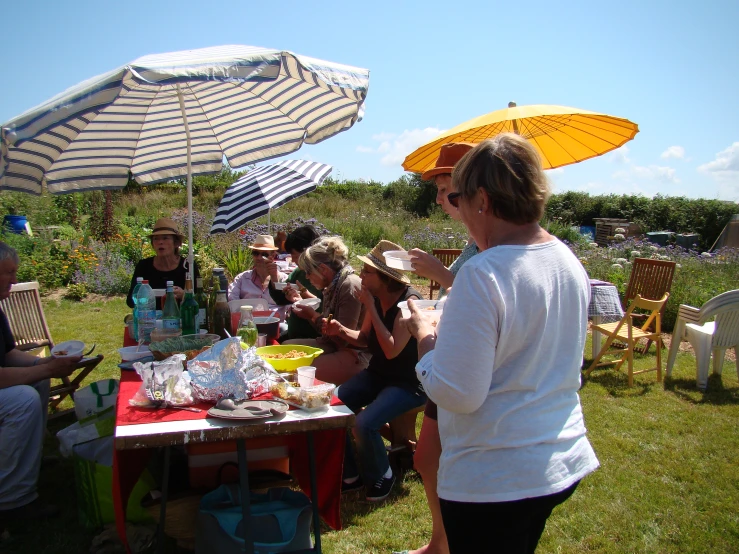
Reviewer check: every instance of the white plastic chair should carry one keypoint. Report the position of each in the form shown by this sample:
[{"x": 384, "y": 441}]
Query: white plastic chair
[
  {"x": 259, "y": 304},
  {"x": 708, "y": 337}
]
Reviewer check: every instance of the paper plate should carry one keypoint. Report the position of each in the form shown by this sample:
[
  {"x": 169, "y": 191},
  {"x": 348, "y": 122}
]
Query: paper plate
[{"x": 251, "y": 409}]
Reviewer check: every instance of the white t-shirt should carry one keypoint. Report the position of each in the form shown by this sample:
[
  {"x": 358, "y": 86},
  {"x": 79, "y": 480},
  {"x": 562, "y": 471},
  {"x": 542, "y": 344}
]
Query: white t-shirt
[{"x": 505, "y": 374}]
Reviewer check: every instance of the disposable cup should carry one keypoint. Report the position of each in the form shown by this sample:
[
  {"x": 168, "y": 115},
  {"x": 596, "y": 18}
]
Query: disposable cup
[
  {"x": 262, "y": 339},
  {"x": 306, "y": 376}
]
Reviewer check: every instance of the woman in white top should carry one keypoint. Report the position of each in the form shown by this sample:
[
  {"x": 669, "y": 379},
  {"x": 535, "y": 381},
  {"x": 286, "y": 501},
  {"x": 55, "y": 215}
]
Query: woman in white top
[{"x": 503, "y": 364}]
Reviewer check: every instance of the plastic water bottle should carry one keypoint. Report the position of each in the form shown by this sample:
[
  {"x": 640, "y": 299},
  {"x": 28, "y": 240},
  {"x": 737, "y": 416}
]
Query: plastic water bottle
[
  {"x": 146, "y": 304},
  {"x": 134, "y": 295},
  {"x": 171, "y": 311}
]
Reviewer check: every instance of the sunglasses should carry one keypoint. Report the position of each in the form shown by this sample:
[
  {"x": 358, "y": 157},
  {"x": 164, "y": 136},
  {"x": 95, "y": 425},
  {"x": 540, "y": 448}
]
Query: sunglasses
[
  {"x": 453, "y": 198},
  {"x": 258, "y": 253}
]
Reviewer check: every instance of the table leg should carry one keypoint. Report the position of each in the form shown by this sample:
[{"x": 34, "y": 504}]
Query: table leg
[
  {"x": 163, "y": 505},
  {"x": 245, "y": 497},
  {"x": 597, "y": 337},
  {"x": 314, "y": 491}
]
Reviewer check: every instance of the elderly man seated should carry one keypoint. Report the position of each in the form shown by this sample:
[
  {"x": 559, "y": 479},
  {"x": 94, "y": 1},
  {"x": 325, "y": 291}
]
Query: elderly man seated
[{"x": 24, "y": 398}]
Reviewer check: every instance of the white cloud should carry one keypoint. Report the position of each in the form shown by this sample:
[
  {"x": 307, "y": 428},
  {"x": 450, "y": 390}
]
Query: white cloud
[
  {"x": 365, "y": 149},
  {"x": 659, "y": 173},
  {"x": 555, "y": 172},
  {"x": 726, "y": 163},
  {"x": 677, "y": 152},
  {"x": 620, "y": 156},
  {"x": 395, "y": 147}
]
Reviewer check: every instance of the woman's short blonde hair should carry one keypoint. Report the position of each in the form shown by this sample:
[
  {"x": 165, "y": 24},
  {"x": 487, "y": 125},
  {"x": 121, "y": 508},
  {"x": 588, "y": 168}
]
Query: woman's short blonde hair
[
  {"x": 509, "y": 169},
  {"x": 330, "y": 251}
]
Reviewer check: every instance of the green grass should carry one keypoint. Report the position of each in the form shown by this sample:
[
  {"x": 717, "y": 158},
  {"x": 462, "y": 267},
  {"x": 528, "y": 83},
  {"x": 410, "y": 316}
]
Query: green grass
[{"x": 668, "y": 482}]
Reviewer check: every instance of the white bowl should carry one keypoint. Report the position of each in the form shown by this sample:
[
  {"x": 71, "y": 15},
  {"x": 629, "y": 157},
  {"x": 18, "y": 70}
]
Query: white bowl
[
  {"x": 280, "y": 285},
  {"x": 68, "y": 349},
  {"x": 131, "y": 353},
  {"x": 398, "y": 259},
  {"x": 431, "y": 308},
  {"x": 310, "y": 302}
]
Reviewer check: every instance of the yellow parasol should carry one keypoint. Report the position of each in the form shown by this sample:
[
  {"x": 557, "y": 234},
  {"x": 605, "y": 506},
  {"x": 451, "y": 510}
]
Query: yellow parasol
[{"x": 562, "y": 135}]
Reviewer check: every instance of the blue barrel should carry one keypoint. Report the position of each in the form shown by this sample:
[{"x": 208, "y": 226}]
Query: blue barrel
[{"x": 15, "y": 223}]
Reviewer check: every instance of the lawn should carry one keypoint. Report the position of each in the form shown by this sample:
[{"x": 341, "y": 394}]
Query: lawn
[{"x": 668, "y": 481}]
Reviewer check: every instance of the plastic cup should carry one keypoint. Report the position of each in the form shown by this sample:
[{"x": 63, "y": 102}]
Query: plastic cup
[
  {"x": 262, "y": 339},
  {"x": 306, "y": 376}
]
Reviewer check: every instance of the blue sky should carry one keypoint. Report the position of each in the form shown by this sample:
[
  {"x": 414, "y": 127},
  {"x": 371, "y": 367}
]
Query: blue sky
[{"x": 668, "y": 66}]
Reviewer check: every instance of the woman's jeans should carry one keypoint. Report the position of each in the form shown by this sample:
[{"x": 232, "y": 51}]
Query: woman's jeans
[
  {"x": 382, "y": 404},
  {"x": 507, "y": 527}
]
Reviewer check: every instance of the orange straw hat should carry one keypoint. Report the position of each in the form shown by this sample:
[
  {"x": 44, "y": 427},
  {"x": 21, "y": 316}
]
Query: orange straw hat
[
  {"x": 449, "y": 155},
  {"x": 376, "y": 258},
  {"x": 263, "y": 242}
]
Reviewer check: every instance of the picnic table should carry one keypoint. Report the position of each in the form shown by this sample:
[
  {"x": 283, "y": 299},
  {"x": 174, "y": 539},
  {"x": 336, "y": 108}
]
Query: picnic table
[{"x": 315, "y": 444}]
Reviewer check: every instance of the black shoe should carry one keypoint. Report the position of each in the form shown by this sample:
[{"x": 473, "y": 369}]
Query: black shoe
[
  {"x": 353, "y": 486},
  {"x": 380, "y": 489}
]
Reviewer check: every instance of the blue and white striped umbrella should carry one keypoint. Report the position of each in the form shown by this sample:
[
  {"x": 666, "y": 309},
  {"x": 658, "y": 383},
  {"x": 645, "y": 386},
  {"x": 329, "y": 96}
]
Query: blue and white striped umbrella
[
  {"x": 264, "y": 188},
  {"x": 170, "y": 115}
]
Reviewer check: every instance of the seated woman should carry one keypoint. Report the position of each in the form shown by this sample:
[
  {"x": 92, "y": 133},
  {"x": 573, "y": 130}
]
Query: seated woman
[
  {"x": 297, "y": 327},
  {"x": 388, "y": 387},
  {"x": 254, "y": 283},
  {"x": 166, "y": 264},
  {"x": 326, "y": 265}
]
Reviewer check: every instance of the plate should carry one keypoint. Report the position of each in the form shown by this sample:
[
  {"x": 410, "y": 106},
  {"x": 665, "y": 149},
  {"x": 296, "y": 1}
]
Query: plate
[
  {"x": 251, "y": 409},
  {"x": 128, "y": 366}
]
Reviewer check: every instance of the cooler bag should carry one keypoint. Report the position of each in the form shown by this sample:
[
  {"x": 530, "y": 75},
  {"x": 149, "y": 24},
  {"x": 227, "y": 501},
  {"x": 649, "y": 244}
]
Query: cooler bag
[{"x": 280, "y": 520}]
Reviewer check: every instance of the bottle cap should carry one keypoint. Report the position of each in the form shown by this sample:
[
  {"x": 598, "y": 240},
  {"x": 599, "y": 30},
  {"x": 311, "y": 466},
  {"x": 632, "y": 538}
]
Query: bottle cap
[
  {"x": 145, "y": 282},
  {"x": 170, "y": 283},
  {"x": 246, "y": 308},
  {"x": 139, "y": 279}
]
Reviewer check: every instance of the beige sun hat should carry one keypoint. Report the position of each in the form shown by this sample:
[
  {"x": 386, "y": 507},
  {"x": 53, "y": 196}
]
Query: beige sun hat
[
  {"x": 166, "y": 226},
  {"x": 263, "y": 242},
  {"x": 376, "y": 258}
]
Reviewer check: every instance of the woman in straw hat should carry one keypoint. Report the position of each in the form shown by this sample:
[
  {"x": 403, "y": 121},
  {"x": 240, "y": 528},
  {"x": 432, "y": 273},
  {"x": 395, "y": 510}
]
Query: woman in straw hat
[
  {"x": 166, "y": 264},
  {"x": 503, "y": 364},
  {"x": 326, "y": 265},
  {"x": 428, "y": 447},
  {"x": 254, "y": 283},
  {"x": 388, "y": 387}
]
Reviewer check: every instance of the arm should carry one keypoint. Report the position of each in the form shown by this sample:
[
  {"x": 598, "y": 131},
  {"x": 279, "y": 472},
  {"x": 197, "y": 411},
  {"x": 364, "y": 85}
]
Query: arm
[
  {"x": 456, "y": 369},
  {"x": 359, "y": 338},
  {"x": 23, "y": 368},
  {"x": 393, "y": 343},
  {"x": 429, "y": 266}
]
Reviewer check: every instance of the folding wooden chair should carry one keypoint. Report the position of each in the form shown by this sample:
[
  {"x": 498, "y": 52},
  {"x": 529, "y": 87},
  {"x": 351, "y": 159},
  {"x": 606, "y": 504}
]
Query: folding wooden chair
[
  {"x": 650, "y": 279},
  {"x": 31, "y": 332},
  {"x": 625, "y": 332},
  {"x": 447, "y": 257}
]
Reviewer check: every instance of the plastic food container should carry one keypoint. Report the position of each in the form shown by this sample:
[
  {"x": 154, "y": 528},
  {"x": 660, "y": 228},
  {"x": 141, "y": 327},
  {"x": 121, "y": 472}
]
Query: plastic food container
[
  {"x": 310, "y": 302},
  {"x": 288, "y": 364},
  {"x": 310, "y": 399},
  {"x": 132, "y": 353},
  {"x": 71, "y": 348},
  {"x": 270, "y": 326},
  {"x": 432, "y": 308},
  {"x": 398, "y": 259}
]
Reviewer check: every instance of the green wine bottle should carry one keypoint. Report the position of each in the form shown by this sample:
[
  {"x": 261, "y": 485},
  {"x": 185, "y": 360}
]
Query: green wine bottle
[{"x": 189, "y": 311}]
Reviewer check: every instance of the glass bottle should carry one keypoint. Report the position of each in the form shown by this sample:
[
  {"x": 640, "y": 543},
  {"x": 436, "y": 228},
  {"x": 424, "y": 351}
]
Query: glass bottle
[
  {"x": 202, "y": 301},
  {"x": 222, "y": 316},
  {"x": 189, "y": 311},
  {"x": 247, "y": 328},
  {"x": 170, "y": 311},
  {"x": 212, "y": 297}
]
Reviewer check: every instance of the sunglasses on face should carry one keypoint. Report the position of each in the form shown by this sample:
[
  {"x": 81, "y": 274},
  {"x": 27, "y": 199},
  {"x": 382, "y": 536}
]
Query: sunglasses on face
[
  {"x": 257, "y": 254},
  {"x": 453, "y": 198}
]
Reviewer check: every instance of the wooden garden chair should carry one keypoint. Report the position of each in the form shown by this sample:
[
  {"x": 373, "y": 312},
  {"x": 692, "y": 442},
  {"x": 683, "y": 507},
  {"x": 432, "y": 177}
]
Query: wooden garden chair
[
  {"x": 31, "y": 332},
  {"x": 650, "y": 279},
  {"x": 626, "y": 332},
  {"x": 447, "y": 256}
]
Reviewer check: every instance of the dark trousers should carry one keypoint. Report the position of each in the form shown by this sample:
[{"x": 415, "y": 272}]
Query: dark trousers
[{"x": 499, "y": 527}]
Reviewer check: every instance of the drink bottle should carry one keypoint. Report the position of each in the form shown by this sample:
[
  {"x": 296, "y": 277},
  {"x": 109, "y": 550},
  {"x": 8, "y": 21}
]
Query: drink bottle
[
  {"x": 222, "y": 316},
  {"x": 189, "y": 311},
  {"x": 146, "y": 304},
  {"x": 134, "y": 294},
  {"x": 247, "y": 328},
  {"x": 202, "y": 301},
  {"x": 170, "y": 310}
]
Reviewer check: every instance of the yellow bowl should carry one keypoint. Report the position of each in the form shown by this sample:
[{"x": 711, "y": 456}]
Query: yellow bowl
[{"x": 289, "y": 364}]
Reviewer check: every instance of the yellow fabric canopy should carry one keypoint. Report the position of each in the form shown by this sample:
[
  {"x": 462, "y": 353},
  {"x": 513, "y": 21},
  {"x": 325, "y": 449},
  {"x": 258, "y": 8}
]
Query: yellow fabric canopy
[{"x": 562, "y": 135}]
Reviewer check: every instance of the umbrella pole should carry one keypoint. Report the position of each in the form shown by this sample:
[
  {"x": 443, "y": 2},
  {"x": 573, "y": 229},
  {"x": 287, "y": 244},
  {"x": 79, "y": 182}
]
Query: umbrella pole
[
  {"x": 190, "y": 245},
  {"x": 269, "y": 221}
]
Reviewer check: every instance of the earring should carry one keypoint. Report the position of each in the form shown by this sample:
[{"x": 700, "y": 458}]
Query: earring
[{"x": 479, "y": 211}]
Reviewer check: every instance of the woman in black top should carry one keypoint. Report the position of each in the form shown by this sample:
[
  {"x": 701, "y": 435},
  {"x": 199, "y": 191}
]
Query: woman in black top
[
  {"x": 388, "y": 387},
  {"x": 167, "y": 264}
]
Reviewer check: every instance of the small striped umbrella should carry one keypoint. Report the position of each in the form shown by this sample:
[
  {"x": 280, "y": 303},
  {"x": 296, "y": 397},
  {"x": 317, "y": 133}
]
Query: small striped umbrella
[
  {"x": 178, "y": 114},
  {"x": 560, "y": 134},
  {"x": 264, "y": 188}
]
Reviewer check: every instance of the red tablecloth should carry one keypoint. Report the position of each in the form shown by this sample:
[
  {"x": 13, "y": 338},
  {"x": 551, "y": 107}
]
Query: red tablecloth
[{"x": 129, "y": 464}]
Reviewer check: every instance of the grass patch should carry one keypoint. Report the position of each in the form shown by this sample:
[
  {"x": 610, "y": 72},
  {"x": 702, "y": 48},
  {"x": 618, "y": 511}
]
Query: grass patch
[{"x": 668, "y": 481}]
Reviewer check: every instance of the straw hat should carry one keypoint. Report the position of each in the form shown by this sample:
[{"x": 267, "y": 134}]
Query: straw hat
[
  {"x": 263, "y": 242},
  {"x": 166, "y": 226},
  {"x": 449, "y": 155},
  {"x": 376, "y": 258}
]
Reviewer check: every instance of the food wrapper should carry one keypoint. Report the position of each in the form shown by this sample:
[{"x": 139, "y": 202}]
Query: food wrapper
[
  {"x": 164, "y": 383},
  {"x": 228, "y": 371}
]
